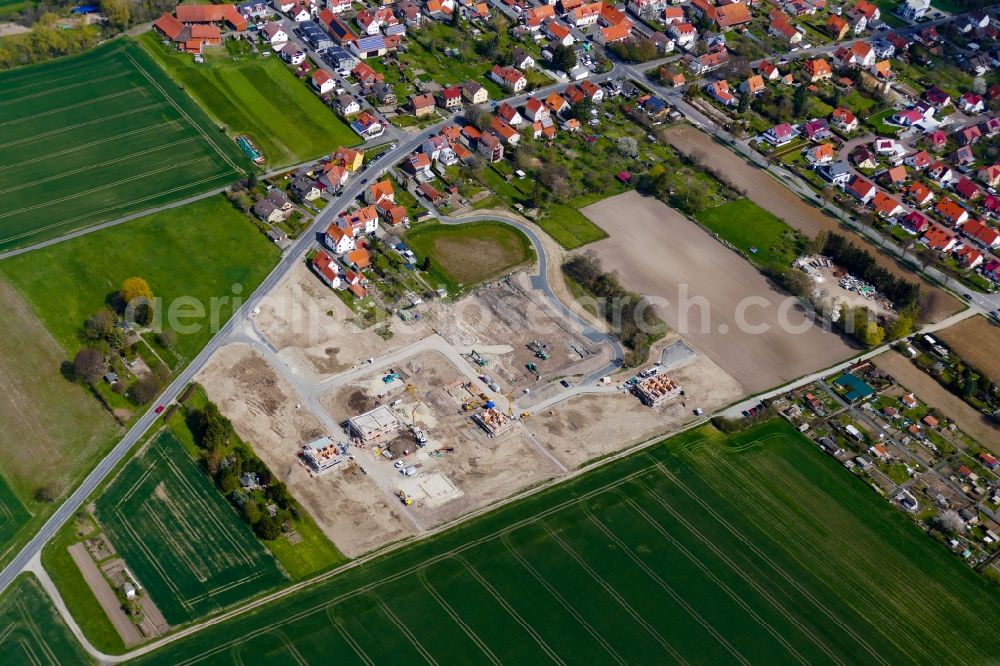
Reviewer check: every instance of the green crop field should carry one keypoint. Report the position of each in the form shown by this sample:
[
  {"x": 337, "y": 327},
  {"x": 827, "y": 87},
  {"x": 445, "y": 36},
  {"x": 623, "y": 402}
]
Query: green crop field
[
  {"x": 259, "y": 97},
  {"x": 180, "y": 537},
  {"x": 31, "y": 632},
  {"x": 706, "y": 549},
  {"x": 569, "y": 227},
  {"x": 97, "y": 136}
]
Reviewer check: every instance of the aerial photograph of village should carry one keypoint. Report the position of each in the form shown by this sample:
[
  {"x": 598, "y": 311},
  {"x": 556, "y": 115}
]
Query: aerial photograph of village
[{"x": 500, "y": 331}]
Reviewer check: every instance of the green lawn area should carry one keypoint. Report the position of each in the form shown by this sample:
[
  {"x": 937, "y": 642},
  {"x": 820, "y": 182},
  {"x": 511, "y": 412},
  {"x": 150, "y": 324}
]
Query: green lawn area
[
  {"x": 183, "y": 540},
  {"x": 705, "y": 549},
  {"x": 465, "y": 255},
  {"x": 569, "y": 227},
  {"x": 192, "y": 257},
  {"x": 94, "y": 137},
  {"x": 877, "y": 122},
  {"x": 31, "y": 631},
  {"x": 857, "y": 103},
  {"x": 259, "y": 97},
  {"x": 747, "y": 226}
]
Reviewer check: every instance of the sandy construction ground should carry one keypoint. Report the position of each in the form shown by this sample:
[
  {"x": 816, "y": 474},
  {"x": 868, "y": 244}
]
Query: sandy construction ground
[
  {"x": 973, "y": 423},
  {"x": 659, "y": 253},
  {"x": 314, "y": 329},
  {"x": 478, "y": 471},
  {"x": 589, "y": 426},
  {"x": 977, "y": 340},
  {"x": 770, "y": 195},
  {"x": 347, "y": 505}
]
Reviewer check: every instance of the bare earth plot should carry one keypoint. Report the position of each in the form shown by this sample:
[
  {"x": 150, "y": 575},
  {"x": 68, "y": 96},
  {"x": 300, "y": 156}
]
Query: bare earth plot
[
  {"x": 977, "y": 340},
  {"x": 973, "y": 423},
  {"x": 93, "y": 137},
  {"x": 349, "y": 507},
  {"x": 589, "y": 426},
  {"x": 474, "y": 469},
  {"x": 659, "y": 253},
  {"x": 313, "y": 330},
  {"x": 770, "y": 195},
  {"x": 40, "y": 410}
]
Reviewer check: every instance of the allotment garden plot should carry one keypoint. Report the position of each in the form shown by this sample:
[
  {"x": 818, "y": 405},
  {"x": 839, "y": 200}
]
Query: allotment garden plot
[
  {"x": 179, "y": 536},
  {"x": 98, "y": 136},
  {"x": 703, "y": 550}
]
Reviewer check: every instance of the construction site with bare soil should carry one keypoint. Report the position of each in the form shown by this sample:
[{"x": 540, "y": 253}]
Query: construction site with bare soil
[
  {"x": 417, "y": 432},
  {"x": 348, "y": 506}
]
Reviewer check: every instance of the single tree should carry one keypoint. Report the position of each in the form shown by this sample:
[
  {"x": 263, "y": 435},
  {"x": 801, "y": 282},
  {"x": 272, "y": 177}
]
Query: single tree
[
  {"x": 135, "y": 288},
  {"x": 88, "y": 364},
  {"x": 268, "y": 528},
  {"x": 563, "y": 58}
]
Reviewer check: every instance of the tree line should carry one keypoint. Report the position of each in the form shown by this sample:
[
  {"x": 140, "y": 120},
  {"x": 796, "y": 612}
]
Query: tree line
[
  {"x": 226, "y": 458},
  {"x": 904, "y": 295},
  {"x": 633, "y": 321}
]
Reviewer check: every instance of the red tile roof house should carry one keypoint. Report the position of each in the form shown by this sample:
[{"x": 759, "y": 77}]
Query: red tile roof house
[
  {"x": 971, "y": 103},
  {"x": 968, "y": 135},
  {"x": 937, "y": 97},
  {"x": 938, "y": 238},
  {"x": 918, "y": 160},
  {"x": 940, "y": 173},
  {"x": 844, "y": 119},
  {"x": 780, "y": 134},
  {"x": 906, "y": 117},
  {"x": 990, "y": 126},
  {"x": 937, "y": 139},
  {"x": 991, "y": 203},
  {"x": 861, "y": 189},
  {"x": 969, "y": 256},
  {"x": 992, "y": 270},
  {"x": 326, "y": 269},
  {"x": 323, "y": 82},
  {"x": 817, "y": 130},
  {"x": 509, "y": 78},
  {"x": 989, "y": 175},
  {"x": 896, "y": 175},
  {"x": 951, "y": 212},
  {"x": 920, "y": 194},
  {"x": 915, "y": 223},
  {"x": 719, "y": 90},
  {"x": 982, "y": 234},
  {"x": 886, "y": 206},
  {"x": 339, "y": 240},
  {"x": 967, "y": 189}
]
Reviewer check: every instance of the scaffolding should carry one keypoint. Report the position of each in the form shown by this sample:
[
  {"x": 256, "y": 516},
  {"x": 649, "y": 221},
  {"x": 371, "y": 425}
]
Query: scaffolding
[
  {"x": 493, "y": 421},
  {"x": 657, "y": 390}
]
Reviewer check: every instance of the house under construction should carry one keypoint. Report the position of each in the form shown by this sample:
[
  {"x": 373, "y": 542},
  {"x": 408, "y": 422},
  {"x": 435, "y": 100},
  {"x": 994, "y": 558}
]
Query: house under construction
[
  {"x": 657, "y": 390},
  {"x": 374, "y": 426},
  {"x": 493, "y": 421},
  {"x": 324, "y": 454}
]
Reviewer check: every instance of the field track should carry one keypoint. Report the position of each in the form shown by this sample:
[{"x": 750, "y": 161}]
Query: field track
[
  {"x": 756, "y": 549},
  {"x": 97, "y": 136}
]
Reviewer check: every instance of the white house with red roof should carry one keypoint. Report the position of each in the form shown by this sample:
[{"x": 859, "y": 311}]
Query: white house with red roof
[
  {"x": 534, "y": 109},
  {"x": 339, "y": 240},
  {"x": 326, "y": 269},
  {"x": 780, "y": 134},
  {"x": 509, "y": 78},
  {"x": 861, "y": 189},
  {"x": 969, "y": 257},
  {"x": 323, "y": 82}
]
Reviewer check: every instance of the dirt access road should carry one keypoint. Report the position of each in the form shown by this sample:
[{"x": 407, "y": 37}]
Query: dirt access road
[
  {"x": 769, "y": 194},
  {"x": 661, "y": 254},
  {"x": 972, "y": 423}
]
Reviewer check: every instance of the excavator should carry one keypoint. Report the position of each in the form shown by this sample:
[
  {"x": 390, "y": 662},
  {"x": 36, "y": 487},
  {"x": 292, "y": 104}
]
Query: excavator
[{"x": 404, "y": 498}]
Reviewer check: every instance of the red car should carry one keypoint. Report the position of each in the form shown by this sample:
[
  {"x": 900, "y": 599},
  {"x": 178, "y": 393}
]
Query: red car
[{"x": 159, "y": 410}]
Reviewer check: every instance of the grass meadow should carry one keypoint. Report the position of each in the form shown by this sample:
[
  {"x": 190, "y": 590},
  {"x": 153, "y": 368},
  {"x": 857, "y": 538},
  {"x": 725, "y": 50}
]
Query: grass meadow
[
  {"x": 200, "y": 251},
  {"x": 97, "y": 136},
  {"x": 180, "y": 537},
  {"x": 705, "y": 549},
  {"x": 259, "y": 97},
  {"x": 468, "y": 254},
  {"x": 748, "y": 226}
]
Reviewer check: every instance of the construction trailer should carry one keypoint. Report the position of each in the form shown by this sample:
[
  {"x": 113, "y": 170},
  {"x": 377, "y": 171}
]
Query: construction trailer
[
  {"x": 657, "y": 390},
  {"x": 375, "y": 426},
  {"x": 493, "y": 421},
  {"x": 324, "y": 454}
]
